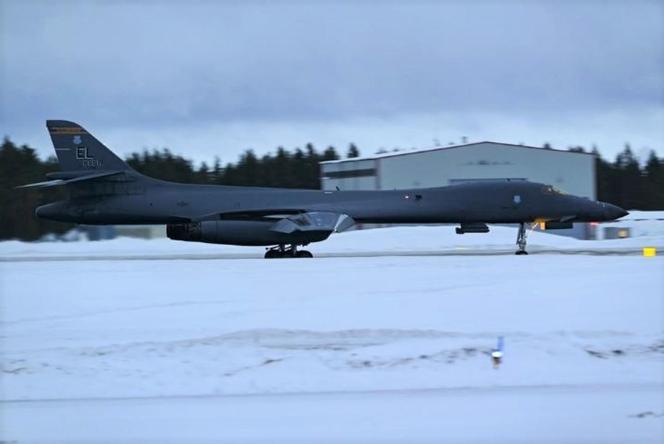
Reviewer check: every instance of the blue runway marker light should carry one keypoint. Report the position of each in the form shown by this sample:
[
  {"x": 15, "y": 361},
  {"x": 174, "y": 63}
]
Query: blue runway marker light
[{"x": 497, "y": 353}]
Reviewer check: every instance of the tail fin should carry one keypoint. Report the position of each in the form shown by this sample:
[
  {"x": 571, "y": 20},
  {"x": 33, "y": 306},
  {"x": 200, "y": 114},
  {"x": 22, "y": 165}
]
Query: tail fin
[{"x": 78, "y": 150}]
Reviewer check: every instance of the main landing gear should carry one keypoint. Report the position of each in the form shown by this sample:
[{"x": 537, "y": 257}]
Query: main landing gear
[
  {"x": 521, "y": 239},
  {"x": 281, "y": 251}
]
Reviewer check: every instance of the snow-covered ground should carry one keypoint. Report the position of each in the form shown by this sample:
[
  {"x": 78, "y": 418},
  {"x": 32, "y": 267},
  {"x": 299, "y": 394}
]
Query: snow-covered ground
[
  {"x": 392, "y": 348},
  {"x": 522, "y": 415}
]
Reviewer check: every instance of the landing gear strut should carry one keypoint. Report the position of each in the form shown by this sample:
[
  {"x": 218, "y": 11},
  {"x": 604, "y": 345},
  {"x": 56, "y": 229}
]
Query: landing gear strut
[
  {"x": 280, "y": 251},
  {"x": 521, "y": 239}
]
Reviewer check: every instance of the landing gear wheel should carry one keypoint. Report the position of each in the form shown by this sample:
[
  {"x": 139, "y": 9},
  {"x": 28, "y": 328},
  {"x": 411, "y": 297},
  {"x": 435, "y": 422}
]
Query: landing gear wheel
[
  {"x": 273, "y": 254},
  {"x": 280, "y": 252},
  {"x": 294, "y": 252},
  {"x": 521, "y": 240}
]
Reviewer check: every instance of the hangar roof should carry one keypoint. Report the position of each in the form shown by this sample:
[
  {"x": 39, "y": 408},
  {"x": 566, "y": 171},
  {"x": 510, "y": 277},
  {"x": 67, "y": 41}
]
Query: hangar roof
[{"x": 442, "y": 148}]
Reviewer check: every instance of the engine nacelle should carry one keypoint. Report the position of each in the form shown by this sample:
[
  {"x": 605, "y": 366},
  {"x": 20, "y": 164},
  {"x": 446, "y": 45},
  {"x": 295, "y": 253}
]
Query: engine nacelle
[{"x": 241, "y": 232}]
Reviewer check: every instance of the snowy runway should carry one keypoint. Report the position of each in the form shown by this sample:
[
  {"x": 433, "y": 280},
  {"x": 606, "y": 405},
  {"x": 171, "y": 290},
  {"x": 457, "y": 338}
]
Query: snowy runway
[
  {"x": 597, "y": 414},
  {"x": 353, "y": 349}
]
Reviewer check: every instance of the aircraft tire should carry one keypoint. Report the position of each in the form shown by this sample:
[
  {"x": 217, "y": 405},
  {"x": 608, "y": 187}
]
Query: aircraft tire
[
  {"x": 304, "y": 253},
  {"x": 273, "y": 254}
]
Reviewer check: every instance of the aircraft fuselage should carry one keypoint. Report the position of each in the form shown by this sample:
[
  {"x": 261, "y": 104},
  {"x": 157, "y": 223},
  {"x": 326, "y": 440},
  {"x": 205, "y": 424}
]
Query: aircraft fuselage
[{"x": 157, "y": 202}]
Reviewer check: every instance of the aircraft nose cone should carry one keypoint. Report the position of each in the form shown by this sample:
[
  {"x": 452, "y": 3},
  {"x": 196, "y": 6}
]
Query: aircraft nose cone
[{"x": 614, "y": 211}]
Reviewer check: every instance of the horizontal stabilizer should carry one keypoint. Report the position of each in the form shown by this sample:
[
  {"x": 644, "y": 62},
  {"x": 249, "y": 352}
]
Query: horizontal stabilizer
[
  {"x": 66, "y": 175},
  {"x": 80, "y": 178},
  {"x": 46, "y": 183}
]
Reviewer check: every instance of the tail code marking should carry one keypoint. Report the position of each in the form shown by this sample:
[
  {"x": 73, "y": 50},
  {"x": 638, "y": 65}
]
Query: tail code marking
[{"x": 67, "y": 130}]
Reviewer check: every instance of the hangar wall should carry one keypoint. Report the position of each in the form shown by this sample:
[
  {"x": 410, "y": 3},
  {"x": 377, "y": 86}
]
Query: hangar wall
[{"x": 569, "y": 171}]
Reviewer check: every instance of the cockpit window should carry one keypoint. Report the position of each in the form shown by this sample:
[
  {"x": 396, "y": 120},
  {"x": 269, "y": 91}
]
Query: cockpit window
[{"x": 551, "y": 190}]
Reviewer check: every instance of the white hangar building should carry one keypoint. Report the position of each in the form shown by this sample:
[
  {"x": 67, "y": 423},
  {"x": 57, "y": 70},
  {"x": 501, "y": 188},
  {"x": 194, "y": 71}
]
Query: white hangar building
[{"x": 571, "y": 172}]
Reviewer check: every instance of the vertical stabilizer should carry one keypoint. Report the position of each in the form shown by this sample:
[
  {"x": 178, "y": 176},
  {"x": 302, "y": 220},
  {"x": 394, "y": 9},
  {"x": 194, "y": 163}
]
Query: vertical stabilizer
[{"x": 78, "y": 150}]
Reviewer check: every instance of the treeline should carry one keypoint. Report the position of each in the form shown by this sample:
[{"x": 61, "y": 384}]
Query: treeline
[
  {"x": 626, "y": 181},
  {"x": 19, "y": 166},
  {"x": 296, "y": 169}
]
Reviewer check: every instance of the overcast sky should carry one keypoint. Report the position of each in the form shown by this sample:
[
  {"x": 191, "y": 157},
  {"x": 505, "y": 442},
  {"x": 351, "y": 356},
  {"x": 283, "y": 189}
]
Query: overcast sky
[{"x": 213, "y": 79}]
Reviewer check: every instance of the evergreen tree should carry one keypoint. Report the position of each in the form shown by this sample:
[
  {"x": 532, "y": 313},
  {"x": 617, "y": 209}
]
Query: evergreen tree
[
  {"x": 282, "y": 171},
  {"x": 163, "y": 165},
  {"x": 245, "y": 173},
  {"x": 312, "y": 158},
  {"x": 604, "y": 176},
  {"x": 216, "y": 170},
  {"x": 629, "y": 183},
  {"x": 654, "y": 178},
  {"x": 352, "y": 151},
  {"x": 330, "y": 154},
  {"x": 299, "y": 169},
  {"x": 20, "y": 166},
  {"x": 204, "y": 175}
]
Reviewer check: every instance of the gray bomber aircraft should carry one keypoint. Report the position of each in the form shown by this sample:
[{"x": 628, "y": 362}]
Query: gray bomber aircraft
[{"x": 105, "y": 190}]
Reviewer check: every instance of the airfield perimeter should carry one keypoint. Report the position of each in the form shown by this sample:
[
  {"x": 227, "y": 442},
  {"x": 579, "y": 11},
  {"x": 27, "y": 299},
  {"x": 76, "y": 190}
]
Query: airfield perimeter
[{"x": 390, "y": 348}]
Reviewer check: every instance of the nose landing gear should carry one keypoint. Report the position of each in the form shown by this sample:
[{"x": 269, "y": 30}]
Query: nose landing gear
[{"x": 521, "y": 239}]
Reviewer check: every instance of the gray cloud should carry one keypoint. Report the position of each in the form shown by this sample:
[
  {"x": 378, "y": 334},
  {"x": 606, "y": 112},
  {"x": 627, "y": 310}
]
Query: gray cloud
[{"x": 158, "y": 66}]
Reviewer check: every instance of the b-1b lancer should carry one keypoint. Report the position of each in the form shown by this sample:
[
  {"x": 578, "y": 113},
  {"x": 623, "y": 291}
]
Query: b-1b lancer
[{"x": 105, "y": 190}]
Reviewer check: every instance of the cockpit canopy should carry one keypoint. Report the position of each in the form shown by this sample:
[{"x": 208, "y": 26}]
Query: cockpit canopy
[{"x": 549, "y": 189}]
